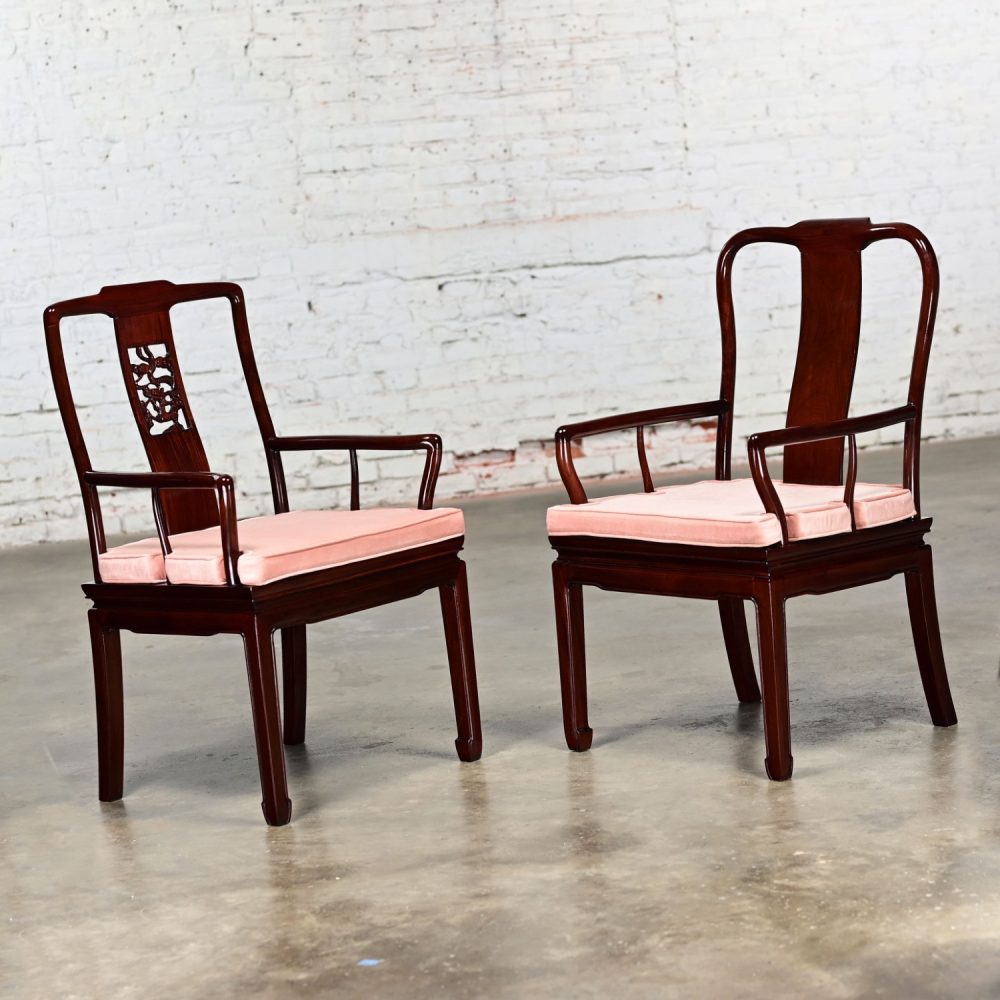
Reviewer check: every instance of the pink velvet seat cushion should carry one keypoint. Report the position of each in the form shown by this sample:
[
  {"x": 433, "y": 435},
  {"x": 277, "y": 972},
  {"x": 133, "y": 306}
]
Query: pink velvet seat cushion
[
  {"x": 135, "y": 562},
  {"x": 283, "y": 545},
  {"x": 730, "y": 512}
]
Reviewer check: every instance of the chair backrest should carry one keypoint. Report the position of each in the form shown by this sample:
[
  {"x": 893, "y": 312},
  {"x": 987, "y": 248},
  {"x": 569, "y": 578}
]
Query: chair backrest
[
  {"x": 155, "y": 387},
  {"x": 829, "y": 334}
]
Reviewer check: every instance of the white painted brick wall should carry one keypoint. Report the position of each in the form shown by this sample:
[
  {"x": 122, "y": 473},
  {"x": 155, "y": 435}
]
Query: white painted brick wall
[{"x": 482, "y": 218}]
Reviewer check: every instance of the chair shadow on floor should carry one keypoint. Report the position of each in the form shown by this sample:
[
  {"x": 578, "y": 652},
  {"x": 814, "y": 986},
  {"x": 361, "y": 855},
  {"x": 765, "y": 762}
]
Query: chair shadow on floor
[
  {"x": 827, "y": 722},
  {"x": 219, "y": 770}
]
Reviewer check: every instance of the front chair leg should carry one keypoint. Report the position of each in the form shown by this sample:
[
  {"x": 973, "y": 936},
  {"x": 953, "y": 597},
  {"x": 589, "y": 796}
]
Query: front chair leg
[
  {"x": 293, "y": 676},
  {"x": 927, "y": 640},
  {"x": 462, "y": 664},
  {"x": 259, "y": 642},
  {"x": 572, "y": 659},
  {"x": 774, "y": 681},
  {"x": 107, "y": 652},
  {"x": 734, "y": 631}
]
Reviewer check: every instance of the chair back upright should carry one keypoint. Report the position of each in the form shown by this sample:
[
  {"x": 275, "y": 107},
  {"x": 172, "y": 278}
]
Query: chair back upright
[
  {"x": 829, "y": 333},
  {"x": 154, "y": 384}
]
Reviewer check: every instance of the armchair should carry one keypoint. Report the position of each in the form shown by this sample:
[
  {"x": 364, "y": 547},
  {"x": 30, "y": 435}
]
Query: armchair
[
  {"x": 206, "y": 572},
  {"x": 760, "y": 540}
]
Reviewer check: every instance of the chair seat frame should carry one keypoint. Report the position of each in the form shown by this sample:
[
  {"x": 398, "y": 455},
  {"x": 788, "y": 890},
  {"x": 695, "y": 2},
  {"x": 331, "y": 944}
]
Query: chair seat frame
[
  {"x": 767, "y": 576},
  {"x": 256, "y": 613}
]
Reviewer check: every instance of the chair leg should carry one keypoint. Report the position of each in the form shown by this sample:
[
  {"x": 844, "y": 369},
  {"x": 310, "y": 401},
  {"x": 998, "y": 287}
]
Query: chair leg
[
  {"x": 927, "y": 640},
  {"x": 462, "y": 664},
  {"x": 734, "y": 631},
  {"x": 259, "y": 643},
  {"x": 572, "y": 659},
  {"x": 293, "y": 676},
  {"x": 774, "y": 681},
  {"x": 107, "y": 652}
]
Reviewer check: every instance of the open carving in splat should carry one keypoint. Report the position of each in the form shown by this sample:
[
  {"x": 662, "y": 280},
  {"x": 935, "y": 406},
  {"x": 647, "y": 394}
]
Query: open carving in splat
[{"x": 161, "y": 402}]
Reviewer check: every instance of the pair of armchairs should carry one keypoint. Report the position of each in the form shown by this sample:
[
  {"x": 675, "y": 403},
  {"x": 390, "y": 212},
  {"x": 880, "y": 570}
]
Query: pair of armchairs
[{"x": 758, "y": 539}]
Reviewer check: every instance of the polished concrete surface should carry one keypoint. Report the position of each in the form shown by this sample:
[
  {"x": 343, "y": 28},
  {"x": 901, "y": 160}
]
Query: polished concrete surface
[{"x": 660, "y": 864}]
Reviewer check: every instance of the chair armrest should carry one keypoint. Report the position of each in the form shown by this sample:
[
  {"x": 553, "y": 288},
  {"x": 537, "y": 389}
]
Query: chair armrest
[
  {"x": 221, "y": 483},
  {"x": 640, "y": 419},
  {"x": 757, "y": 444},
  {"x": 353, "y": 443}
]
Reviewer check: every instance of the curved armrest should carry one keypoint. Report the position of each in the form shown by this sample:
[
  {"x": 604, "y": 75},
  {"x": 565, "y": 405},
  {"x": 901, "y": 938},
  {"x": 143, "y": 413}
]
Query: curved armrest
[
  {"x": 807, "y": 433},
  {"x": 225, "y": 495},
  {"x": 639, "y": 419},
  {"x": 353, "y": 443}
]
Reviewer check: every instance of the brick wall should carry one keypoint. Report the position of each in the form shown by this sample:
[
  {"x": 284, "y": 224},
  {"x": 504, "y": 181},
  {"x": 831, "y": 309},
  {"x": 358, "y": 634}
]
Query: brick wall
[{"x": 483, "y": 218}]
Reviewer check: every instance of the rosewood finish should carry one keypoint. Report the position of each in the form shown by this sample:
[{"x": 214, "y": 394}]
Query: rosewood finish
[
  {"x": 186, "y": 495},
  {"x": 813, "y": 440}
]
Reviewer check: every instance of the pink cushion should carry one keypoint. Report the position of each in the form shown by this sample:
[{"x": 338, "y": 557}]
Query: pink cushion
[
  {"x": 715, "y": 512},
  {"x": 136, "y": 562},
  {"x": 283, "y": 545}
]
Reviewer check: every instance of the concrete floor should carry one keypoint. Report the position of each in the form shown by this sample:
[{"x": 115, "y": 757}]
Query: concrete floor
[{"x": 660, "y": 864}]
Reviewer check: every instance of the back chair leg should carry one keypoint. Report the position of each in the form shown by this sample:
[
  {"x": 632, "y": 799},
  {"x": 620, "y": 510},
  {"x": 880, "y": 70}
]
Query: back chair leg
[
  {"x": 927, "y": 640},
  {"x": 259, "y": 642},
  {"x": 734, "y": 631},
  {"x": 572, "y": 659},
  {"x": 107, "y": 651},
  {"x": 293, "y": 676},
  {"x": 462, "y": 664},
  {"x": 774, "y": 681}
]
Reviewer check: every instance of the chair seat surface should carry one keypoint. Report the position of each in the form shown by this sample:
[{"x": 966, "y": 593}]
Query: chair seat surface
[
  {"x": 277, "y": 546},
  {"x": 730, "y": 513}
]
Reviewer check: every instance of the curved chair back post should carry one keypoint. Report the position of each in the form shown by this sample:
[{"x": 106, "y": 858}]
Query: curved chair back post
[
  {"x": 929, "y": 294},
  {"x": 74, "y": 434},
  {"x": 275, "y": 466}
]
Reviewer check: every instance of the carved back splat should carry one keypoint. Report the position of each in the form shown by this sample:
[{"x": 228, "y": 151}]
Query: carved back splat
[{"x": 155, "y": 389}]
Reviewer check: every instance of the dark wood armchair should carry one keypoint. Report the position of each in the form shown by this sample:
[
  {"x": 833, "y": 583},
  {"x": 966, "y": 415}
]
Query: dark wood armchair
[
  {"x": 205, "y": 572},
  {"x": 760, "y": 539}
]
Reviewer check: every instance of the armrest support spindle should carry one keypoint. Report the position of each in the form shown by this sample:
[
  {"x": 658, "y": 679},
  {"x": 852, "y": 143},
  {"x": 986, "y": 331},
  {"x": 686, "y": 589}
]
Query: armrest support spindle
[
  {"x": 222, "y": 485},
  {"x": 639, "y": 420},
  {"x": 353, "y": 443},
  {"x": 757, "y": 444}
]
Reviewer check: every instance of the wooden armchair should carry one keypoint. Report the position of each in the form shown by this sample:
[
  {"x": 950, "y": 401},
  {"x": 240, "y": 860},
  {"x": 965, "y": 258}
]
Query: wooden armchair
[
  {"x": 760, "y": 539},
  {"x": 206, "y": 572}
]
